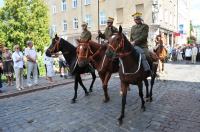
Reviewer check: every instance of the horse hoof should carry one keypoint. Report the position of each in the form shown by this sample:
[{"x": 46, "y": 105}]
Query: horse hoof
[
  {"x": 90, "y": 90},
  {"x": 147, "y": 99},
  {"x": 143, "y": 108},
  {"x": 87, "y": 94},
  {"x": 120, "y": 121},
  {"x": 151, "y": 99},
  {"x": 73, "y": 101},
  {"x": 106, "y": 100}
]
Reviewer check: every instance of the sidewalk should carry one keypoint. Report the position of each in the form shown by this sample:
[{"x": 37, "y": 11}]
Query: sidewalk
[{"x": 10, "y": 91}]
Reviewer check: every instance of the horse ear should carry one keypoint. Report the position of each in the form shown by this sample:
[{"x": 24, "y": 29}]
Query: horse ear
[
  {"x": 56, "y": 36},
  {"x": 78, "y": 40},
  {"x": 120, "y": 29}
]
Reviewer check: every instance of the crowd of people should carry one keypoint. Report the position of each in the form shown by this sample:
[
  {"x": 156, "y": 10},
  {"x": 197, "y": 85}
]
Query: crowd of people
[
  {"x": 189, "y": 53},
  {"x": 13, "y": 65}
]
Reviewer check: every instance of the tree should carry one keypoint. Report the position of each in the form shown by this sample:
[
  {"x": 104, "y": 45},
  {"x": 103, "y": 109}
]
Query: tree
[
  {"x": 192, "y": 39},
  {"x": 22, "y": 20}
]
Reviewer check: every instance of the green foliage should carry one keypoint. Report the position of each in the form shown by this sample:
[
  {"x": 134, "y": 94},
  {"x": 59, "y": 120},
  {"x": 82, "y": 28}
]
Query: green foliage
[{"x": 22, "y": 20}]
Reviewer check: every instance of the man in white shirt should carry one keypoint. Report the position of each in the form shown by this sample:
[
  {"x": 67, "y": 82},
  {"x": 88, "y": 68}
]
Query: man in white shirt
[
  {"x": 31, "y": 56},
  {"x": 194, "y": 54}
]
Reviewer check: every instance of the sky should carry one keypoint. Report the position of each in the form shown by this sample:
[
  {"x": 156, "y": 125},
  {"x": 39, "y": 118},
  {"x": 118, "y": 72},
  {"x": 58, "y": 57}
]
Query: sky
[
  {"x": 1, "y": 3},
  {"x": 195, "y": 10}
]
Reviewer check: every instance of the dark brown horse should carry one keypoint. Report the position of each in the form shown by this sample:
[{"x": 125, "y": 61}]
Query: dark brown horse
[
  {"x": 69, "y": 53},
  {"x": 94, "y": 53},
  {"x": 131, "y": 71}
]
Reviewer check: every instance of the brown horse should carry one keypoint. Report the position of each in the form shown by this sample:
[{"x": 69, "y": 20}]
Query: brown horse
[
  {"x": 161, "y": 52},
  {"x": 94, "y": 53},
  {"x": 130, "y": 70}
]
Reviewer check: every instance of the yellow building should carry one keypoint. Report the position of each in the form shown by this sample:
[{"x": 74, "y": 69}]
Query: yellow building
[{"x": 67, "y": 16}]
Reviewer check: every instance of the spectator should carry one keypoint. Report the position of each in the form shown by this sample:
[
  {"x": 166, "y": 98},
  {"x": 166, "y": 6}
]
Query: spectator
[
  {"x": 1, "y": 67},
  {"x": 188, "y": 53},
  {"x": 62, "y": 65},
  {"x": 17, "y": 57},
  {"x": 8, "y": 66},
  {"x": 174, "y": 54},
  {"x": 49, "y": 65},
  {"x": 179, "y": 54},
  {"x": 194, "y": 54},
  {"x": 31, "y": 56},
  {"x": 45, "y": 65}
]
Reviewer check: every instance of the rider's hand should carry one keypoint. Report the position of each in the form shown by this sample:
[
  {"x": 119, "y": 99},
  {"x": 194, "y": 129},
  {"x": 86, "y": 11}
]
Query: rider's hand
[
  {"x": 133, "y": 42},
  {"x": 99, "y": 32}
]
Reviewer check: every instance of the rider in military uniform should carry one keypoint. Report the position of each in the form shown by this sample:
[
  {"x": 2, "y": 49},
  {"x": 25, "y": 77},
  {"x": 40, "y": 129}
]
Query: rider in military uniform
[
  {"x": 86, "y": 34},
  {"x": 109, "y": 31},
  {"x": 138, "y": 38}
]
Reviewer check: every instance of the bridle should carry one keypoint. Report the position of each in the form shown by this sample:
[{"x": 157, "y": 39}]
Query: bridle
[
  {"x": 120, "y": 46},
  {"x": 56, "y": 46},
  {"x": 88, "y": 50}
]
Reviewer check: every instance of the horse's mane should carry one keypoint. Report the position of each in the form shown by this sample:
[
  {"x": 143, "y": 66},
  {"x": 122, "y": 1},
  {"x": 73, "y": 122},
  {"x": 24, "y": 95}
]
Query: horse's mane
[
  {"x": 126, "y": 39},
  {"x": 68, "y": 45}
]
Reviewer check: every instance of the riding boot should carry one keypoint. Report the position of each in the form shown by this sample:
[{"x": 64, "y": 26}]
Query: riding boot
[{"x": 145, "y": 65}]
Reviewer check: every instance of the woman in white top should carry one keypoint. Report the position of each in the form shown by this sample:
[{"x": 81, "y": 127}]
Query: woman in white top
[
  {"x": 179, "y": 54},
  {"x": 49, "y": 64},
  {"x": 17, "y": 57}
]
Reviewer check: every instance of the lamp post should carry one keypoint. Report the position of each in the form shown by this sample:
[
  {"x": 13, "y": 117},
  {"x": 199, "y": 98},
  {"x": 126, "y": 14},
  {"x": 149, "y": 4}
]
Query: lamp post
[{"x": 98, "y": 20}]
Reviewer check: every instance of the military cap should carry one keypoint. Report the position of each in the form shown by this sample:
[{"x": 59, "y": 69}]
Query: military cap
[
  {"x": 137, "y": 15},
  {"x": 84, "y": 24},
  {"x": 110, "y": 19}
]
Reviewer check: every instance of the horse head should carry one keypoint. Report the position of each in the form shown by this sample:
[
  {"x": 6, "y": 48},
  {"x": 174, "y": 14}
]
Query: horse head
[
  {"x": 55, "y": 45},
  {"x": 116, "y": 44},
  {"x": 83, "y": 52}
]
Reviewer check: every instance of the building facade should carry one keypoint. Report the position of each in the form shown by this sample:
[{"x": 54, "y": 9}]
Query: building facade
[
  {"x": 183, "y": 21},
  {"x": 196, "y": 33},
  {"x": 67, "y": 16}
]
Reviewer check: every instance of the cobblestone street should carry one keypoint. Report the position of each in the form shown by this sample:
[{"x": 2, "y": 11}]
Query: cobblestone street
[{"x": 175, "y": 107}]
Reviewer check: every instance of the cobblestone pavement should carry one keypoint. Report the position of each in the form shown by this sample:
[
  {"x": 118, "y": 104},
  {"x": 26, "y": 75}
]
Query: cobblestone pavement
[
  {"x": 175, "y": 108},
  {"x": 42, "y": 81}
]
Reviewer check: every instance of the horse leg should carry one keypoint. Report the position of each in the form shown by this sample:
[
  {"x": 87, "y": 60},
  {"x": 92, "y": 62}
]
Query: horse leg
[
  {"x": 153, "y": 77},
  {"x": 163, "y": 66},
  {"x": 105, "y": 86},
  {"x": 81, "y": 83},
  {"x": 75, "y": 90},
  {"x": 140, "y": 87},
  {"x": 147, "y": 88},
  {"x": 124, "y": 88},
  {"x": 152, "y": 83},
  {"x": 93, "y": 80}
]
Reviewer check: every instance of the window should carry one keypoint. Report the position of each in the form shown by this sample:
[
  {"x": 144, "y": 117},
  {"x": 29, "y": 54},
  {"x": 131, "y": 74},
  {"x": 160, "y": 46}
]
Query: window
[
  {"x": 74, "y": 3},
  {"x": 64, "y": 5},
  {"x": 54, "y": 9},
  {"x": 119, "y": 15},
  {"x": 88, "y": 19},
  {"x": 53, "y": 27},
  {"x": 87, "y": 2},
  {"x": 102, "y": 18},
  {"x": 64, "y": 25},
  {"x": 75, "y": 23}
]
